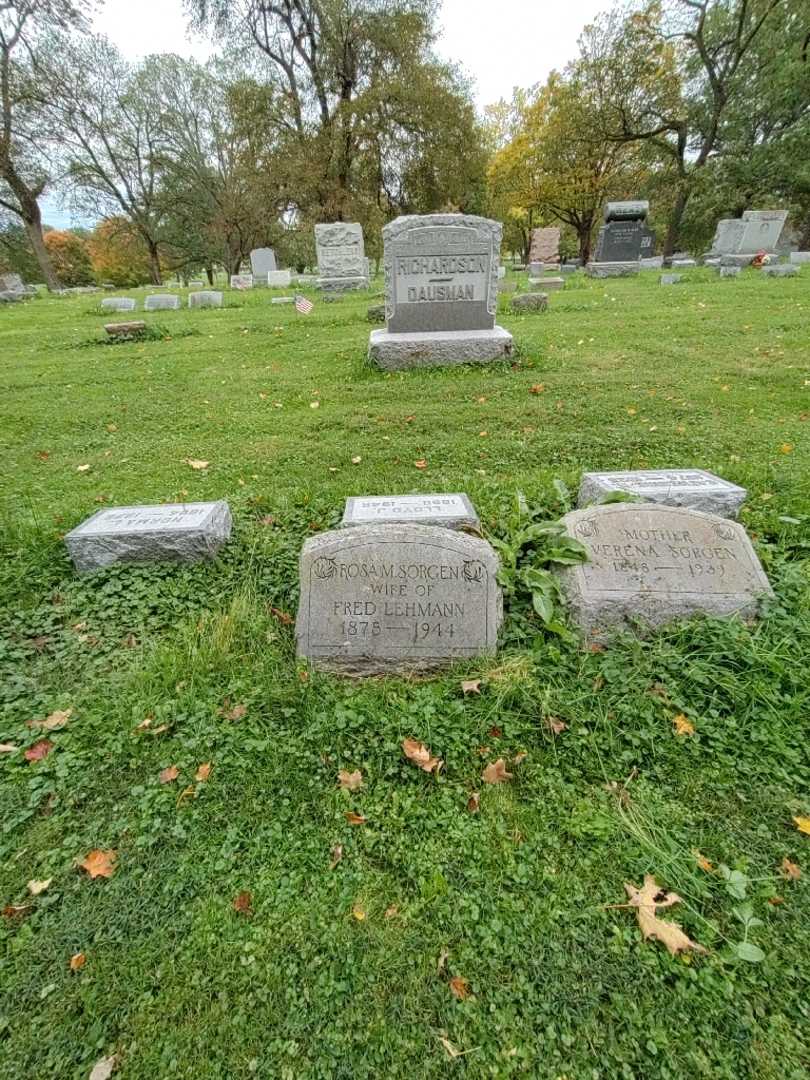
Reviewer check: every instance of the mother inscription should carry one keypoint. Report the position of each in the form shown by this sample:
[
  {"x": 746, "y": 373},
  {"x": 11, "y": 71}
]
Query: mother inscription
[
  {"x": 379, "y": 599},
  {"x": 655, "y": 564}
]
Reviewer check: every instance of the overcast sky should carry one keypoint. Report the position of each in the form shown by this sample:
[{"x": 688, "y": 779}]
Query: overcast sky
[{"x": 500, "y": 43}]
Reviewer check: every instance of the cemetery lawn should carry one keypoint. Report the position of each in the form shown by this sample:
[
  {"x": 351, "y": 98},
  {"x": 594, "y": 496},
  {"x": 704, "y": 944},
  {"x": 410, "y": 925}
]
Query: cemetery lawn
[{"x": 348, "y": 970}]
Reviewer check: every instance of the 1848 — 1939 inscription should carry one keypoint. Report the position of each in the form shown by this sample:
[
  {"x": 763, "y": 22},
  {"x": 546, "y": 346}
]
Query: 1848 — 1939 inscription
[
  {"x": 396, "y": 598},
  {"x": 655, "y": 564}
]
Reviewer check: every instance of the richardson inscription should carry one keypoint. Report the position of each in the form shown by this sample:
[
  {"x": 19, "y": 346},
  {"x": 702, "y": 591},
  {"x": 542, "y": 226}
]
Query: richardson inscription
[{"x": 384, "y": 597}]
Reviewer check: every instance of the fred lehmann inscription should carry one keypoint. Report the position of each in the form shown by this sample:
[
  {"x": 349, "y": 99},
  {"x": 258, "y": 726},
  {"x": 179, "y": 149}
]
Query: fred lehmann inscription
[
  {"x": 654, "y": 564},
  {"x": 396, "y": 598}
]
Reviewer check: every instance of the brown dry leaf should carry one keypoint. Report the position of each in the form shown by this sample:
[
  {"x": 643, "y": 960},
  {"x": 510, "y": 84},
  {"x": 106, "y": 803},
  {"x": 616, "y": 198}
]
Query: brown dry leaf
[
  {"x": 350, "y": 781},
  {"x": 803, "y": 824},
  {"x": 77, "y": 961},
  {"x": 496, "y": 773},
  {"x": 283, "y": 617},
  {"x": 103, "y": 1068},
  {"x": 647, "y": 900},
  {"x": 8, "y": 748},
  {"x": 243, "y": 903},
  {"x": 520, "y": 758},
  {"x": 235, "y": 713},
  {"x": 43, "y": 455},
  {"x": 37, "y": 887},
  {"x": 557, "y": 727},
  {"x": 129, "y": 642},
  {"x": 39, "y": 750},
  {"x": 144, "y": 724},
  {"x": 421, "y": 463},
  {"x": 471, "y": 686},
  {"x": 682, "y": 726},
  {"x": 703, "y": 862},
  {"x": 791, "y": 870},
  {"x": 336, "y": 854},
  {"x": 358, "y": 911},
  {"x": 99, "y": 863},
  {"x": 459, "y": 987},
  {"x": 474, "y": 802},
  {"x": 419, "y": 754},
  {"x": 54, "y": 722},
  {"x": 391, "y": 912},
  {"x": 355, "y": 819},
  {"x": 16, "y": 911},
  {"x": 203, "y": 772},
  {"x": 195, "y": 463},
  {"x": 775, "y": 901},
  {"x": 169, "y": 774}
]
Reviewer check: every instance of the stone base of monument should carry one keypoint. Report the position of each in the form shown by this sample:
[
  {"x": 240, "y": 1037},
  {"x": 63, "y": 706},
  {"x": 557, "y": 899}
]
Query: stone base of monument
[
  {"x": 653, "y": 262},
  {"x": 173, "y": 532},
  {"x": 121, "y": 329},
  {"x": 737, "y": 260},
  {"x": 341, "y": 285},
  {"x": 612, "y": 269},
  {"x": 438, "y": 348},
  {"x": 729, "y": 271},
  {"x": 780, "y": 270},
  {"x": 533, "y": 301}
]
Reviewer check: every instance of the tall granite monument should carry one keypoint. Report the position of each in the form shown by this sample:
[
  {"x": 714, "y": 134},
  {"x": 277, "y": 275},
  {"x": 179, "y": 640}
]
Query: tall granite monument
[
  {"x": 738, "y": 240},
  {"x": 342, "y": 264},
  {"x": 262, "y": 263},
  {"x": 441, "y": 293},
  {"x": 545, "y": 247},
  {"x": 623, "y": 240}
]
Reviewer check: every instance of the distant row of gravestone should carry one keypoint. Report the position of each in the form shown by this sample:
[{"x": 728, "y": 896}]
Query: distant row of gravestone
[
  {"x": 407, "y": 584},
  {"x": 163, "y": 302}
]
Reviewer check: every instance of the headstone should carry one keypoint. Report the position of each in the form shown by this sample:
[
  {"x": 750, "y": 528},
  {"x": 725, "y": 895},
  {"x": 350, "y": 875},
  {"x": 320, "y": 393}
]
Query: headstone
[
  {"x": 441, "y": 293},
  {"x": 262, "y": 262},
  {"x": 612, "y": 269},
  {"x": 205, "y": 299},
  {"x": 241, "y": 281},
  {"x": 757, "y": 230},
  {"x": 727, "y": 237},
  {"x": 569, "y": 268},
  {"x": 683, "y": 263},
  {"x": 501, "y": 273},
  {"x": 729, "y": 271},
  {"x": 123, "y": 329},
  {"x": 184, "y": 532},
  {"x": 341, "y": 258},
  {"x": 694, "y": 489},
  {"x": 279, "y": 279},
  {"x": 740, "y": 261},
  {"x": 545, "y": 246},
  {"x": 118, "y": 303},
  {"x": 9, "y": 296},
  {"x": 376, "y": 313},
  {"x": 799, "y": 257},
  {"x": 449, "y": 511},
  {"x": 671, "y": 279},
  {"x": 507, "y": 286},
  {"x": 536, "y": 269},
  {"x": 397, "y": 598},
  {"x": 624, "y": 233},
  {"x": 196, "y": 284},
  {"x": 282, "y": 300},
  {"x": 655, "y": 564},
  {"x": 552, "y": 283},
  {"x": 529, "y": 302},
  {"x": 161, "y": 303},
  {"x": 11, "y": 283},
  {"x": 780, "y": 269}
]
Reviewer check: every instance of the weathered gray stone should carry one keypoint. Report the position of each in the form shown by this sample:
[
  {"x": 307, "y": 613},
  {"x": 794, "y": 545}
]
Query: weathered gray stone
[
  {"x": 653, "y": 262},
  {"x": 449, "y": 511},
  {"x": 440, "y": 348},
  {"x": 241, "y": 281},
  {"x": 569, "y": 268},
  {"x": 736, "y": 260},
  {"x": 341, "y": 257},
  {"x": 612, "y": 269},
  {"x": 376, "y": 313},
  {"x": 282, "y": 300},
  {"x": 655, "y": 564},
  {"x": 178, "y": 532},
  {"x": 206, "y": 299},
  {"x": 380, "y": 599},
  {"x": 727, "y": 237},
  {"x": 118, "y": 303},
  {"x": 551, "y": 284},
  {"x": 682, "y": 264},
  {"x": 121, "y": 329},
  {"x": 11, "y": 296},
  {"x": 262, "y": 262},
  {"x": 507, "y": 286},
  {"x": 529, "y": 302},
  {"x": 161, "y": 303},
  {"x": 197, "y": 284},
  {"x": 729, "y": 271},
  {"x": 501, "y": 273},
  {"x": 671, "y": 279},
  {"x": 545, "y": 245},
  {"x": 279, "y": 279},
  {"x": 694, "y": 489},
  {"x": 629, "y": 210},
  {"x": 757, "y": 230},
  {"x": 780, "y": 269},
  {"x": 799, "y": 257},
  {"x": 536, "y": 269},
  {"x": 12, "y": 283}
]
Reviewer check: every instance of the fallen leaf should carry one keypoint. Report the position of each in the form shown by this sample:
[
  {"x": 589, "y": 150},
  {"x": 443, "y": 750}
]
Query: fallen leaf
[
  {"x": 459, "y": 987},
  {"x": 314, "y": 404},
  {"x": 99, "y": 863},
  {"x": 452, "y": 1051},
  {"x": 494, "y": 733},
  {"x": 8, "y": 748},
  {"x": 682, "y": 726},
  {"x": 647, "y": 900},
  {"x": 82, "y": 468},
  {"x": 471, "y": 686},
  {"x": 419, "y": 754},
  {"x": 43, "y": 455},
  {"x": 355, "y": 819},
  {"x": 77, "y": 961},
  {"x": 776, "y": 900},
  {"x": 203, "y": 772},
  {"x": 391, "y": 912},
  {"x": 336, "y": 854},
  {"x": 557, "y": 727},
  {"x": 103, "y": 1068},
  {"x": 538, "y": 388},
  {"x": 187, "y": 793},
  {"x": 195, "y": 463},
  {"x": 16, "y": 911},
  {"x": 703, "y": 862},
  {"x": 350, "y": 781},
  {"x": 169, "y": 774},
  {"x": 356, "y": 459},
  {"x": 129, "y": 642},
  {"x": 112, "y": 428},
  {"x": 39, "y": 750},
  {"x": 243, "y": 903},
  {"x": 786, "y": 448},
  {"x": 54, "y": 722},
  {"x": 421, "y": 463},
  {"x": 37, "y": 887},
  {"x": 803, "y": 824},
  {"x": 282, "y": 616},
  {"x": 235, "y": 713},
  {"x": 359, "y": 911},
  {"x": 496, "y": 773},
  {"x": 474, "y": 802},
  {"x": 791, "y": 870},
  {"x": 441, "y": 963}
]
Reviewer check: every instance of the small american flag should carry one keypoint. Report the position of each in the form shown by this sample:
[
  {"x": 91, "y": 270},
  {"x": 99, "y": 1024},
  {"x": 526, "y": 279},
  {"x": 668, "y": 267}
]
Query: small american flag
[{"x": 303, "y": 305}]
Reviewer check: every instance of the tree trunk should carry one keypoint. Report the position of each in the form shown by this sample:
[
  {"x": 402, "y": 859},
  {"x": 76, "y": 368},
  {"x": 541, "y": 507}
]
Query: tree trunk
[
  {"x": 584, "y": 237},
  {"x": 154, "y": 263},
  {"x": 209, "y": 273},
  {"x": 33, "y": 227},
  {"x": 674, "y": 230}
]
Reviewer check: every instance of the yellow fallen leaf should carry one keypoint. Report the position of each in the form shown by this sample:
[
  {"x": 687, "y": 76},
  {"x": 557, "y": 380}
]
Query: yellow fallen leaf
[
  {"x": 356, "y": 459},
  {"x": 703, "y": 862},
  {"x": 82, "y": 468},
  {"x": 336, "y": 855},
  {"x": 682, "y": 726},
  {"x": 77, "y": 961},
  {"x": 359, "y": 912},
  {"x": 496, "y": 773},
  {"x": 169, "y": 774},
  {"x": 471, "y": 686},
  {"x": 203, "y": 772},
  {"x": 99, "y": 863},
  {"x": 103, "y": 1068},
  {"x": 195, "y": 463},
  {"x": 803, "y": 824},
  {"x": 647, "y": 901},
  {"x": 8, "y": 748},
  {"x": 37, "y": 887},
  {"x": 54, "y": 722},
  {"x": 355, "y": 819},
  {"x": 350, "y": 781}
]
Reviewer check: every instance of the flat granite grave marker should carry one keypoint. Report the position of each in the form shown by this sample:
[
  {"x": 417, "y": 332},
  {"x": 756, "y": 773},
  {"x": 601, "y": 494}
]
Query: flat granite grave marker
[
  {"x": 533, "y": 301},
  {"x": 799, "y": 257},
  {"x": 780, "y": 269},
  {"x": 729, "y": 271},
  {"x": 342, "y": 263},
  {"x": 161, "y": 303},
  {"x": 694, "y": 489},
  {"x": 241, "y": 281},
  {"x": 262, "y": 262},
  {"x": 279, "y": 279},
  {"x": 205, "y": 299},
  {"x": 655, "y": 564},
  {"x": 450, "y": 511},
  {"x": 121, "y": 329},
  {"x": 177, "y": 532},
  {"x": 441, "y": 293},
  {"x": 671, "y": 279},
  {"x": 379, "y": 599},
  {"x": 118, "y": 303}
]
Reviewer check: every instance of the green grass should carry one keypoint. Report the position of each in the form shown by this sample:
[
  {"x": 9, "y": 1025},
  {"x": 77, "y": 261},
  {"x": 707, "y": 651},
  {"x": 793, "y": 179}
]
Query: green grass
[{"x": 710, "y": 373}]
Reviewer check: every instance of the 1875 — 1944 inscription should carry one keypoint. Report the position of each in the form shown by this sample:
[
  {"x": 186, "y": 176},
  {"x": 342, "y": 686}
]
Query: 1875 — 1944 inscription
[
  {"x": 379, "y": 599},
  {"x": 654, "y": 564}
]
